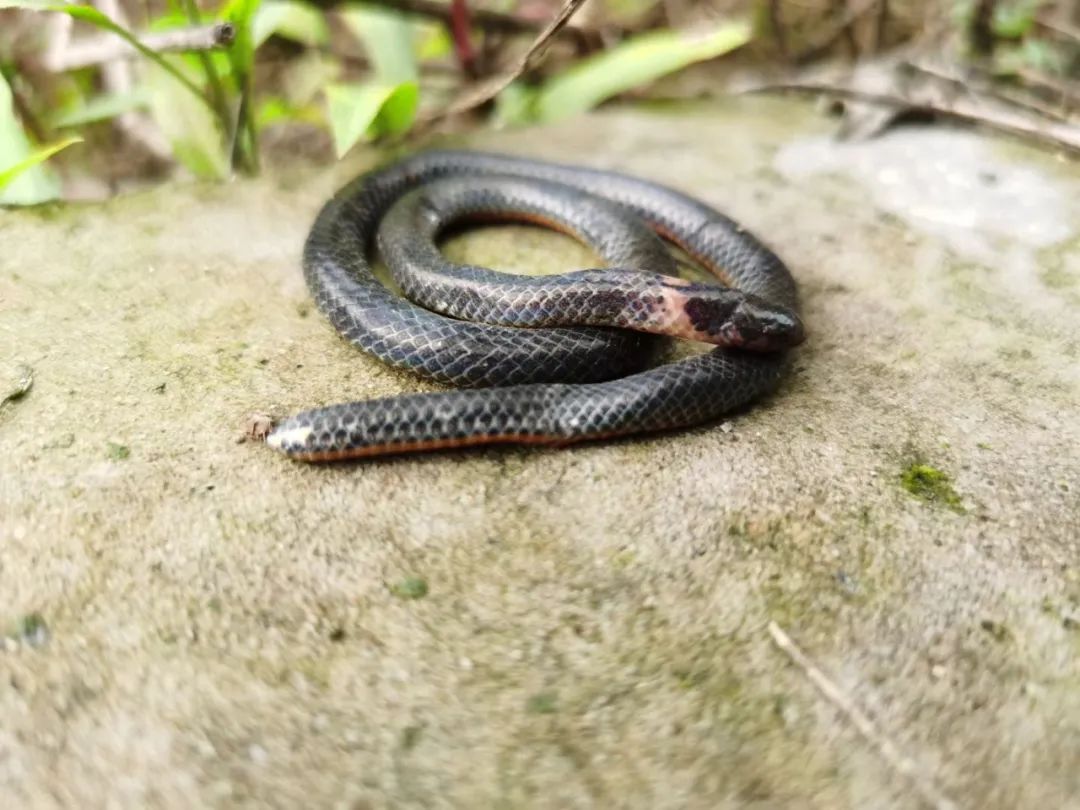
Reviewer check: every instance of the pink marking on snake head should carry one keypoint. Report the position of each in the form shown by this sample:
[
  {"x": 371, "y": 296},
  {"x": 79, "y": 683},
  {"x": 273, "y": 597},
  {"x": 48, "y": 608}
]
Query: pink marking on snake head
[
  {"x": 671, "y": 315},
  {"x": 726, "y": 317}
]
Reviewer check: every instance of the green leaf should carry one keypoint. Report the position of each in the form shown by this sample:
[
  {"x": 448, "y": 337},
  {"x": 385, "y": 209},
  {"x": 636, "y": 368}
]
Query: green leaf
[
  {"x": 515, "y": 105},
  {"x": 1013, "y": 20},
  {"x": 387, "y": 38},
  {"x": 190, "y": 127},
  {"x": 290, "y": 19},
  {"x": 27, "y": 181},
  {"x": 39, "y": 156},
  {"x": 91, "y": 15},
  {"x": 635, "y": 62},
  {"x": 366, "y": 111},
  {"x": 101, "y": 108}
]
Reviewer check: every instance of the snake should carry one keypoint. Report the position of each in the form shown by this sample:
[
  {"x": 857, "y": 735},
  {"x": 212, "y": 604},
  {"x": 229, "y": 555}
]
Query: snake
[{"x": 553, "y": 359}]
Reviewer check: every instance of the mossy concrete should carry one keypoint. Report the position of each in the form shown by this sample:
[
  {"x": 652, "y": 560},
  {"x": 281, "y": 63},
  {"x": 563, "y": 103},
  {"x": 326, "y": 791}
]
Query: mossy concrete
[{"x": 191, "y": 619}]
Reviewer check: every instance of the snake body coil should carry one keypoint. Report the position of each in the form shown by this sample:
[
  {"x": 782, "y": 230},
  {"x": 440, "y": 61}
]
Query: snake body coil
[{"x": 561, "y": 378}]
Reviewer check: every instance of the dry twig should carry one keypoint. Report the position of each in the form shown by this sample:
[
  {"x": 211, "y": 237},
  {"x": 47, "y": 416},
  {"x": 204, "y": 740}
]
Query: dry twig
[
  {"x": 483, "y": 92},
  {"x": 1051, "y": 88},
  {"x": 103, "y": 50},
  {"x": 1057, "y": 134},
  {"x": 975, "y": 85},
  {"x": 887, "y": 748}
]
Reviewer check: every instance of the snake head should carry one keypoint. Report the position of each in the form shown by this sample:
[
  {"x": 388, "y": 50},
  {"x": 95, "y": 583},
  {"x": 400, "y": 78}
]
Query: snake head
[
  {"x": 728, "y": 317},
  {"x": 756, "y": 324}
]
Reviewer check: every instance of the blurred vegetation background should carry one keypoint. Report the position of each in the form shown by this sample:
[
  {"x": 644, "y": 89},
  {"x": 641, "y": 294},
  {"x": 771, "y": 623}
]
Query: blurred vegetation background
[{"x": 96, "y": 98}]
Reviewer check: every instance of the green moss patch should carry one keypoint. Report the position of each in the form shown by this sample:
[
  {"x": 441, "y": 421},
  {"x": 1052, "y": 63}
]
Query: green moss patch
[
  {"x": 542, "y": 703},
  {"x": 410, "y": 588},
  {"x": 932, "y": 485},
  {"x": 32, "y": 630}
]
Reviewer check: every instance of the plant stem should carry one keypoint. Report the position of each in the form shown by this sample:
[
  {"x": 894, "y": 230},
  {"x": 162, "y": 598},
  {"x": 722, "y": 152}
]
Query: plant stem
[{"x": 216, "y": 89}]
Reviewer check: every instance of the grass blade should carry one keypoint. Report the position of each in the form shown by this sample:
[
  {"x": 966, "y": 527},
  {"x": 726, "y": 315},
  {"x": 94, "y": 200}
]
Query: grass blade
[
  {"x": 632, "y": 64},
  {"x": 8, "y": 175}
]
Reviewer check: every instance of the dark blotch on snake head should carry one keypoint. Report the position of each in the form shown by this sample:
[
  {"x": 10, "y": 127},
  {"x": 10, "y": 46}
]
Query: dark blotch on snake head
[
  {"x": 732, "y": 318},
  {"x": 710, "y": 311},
  {"x": 758, "y": 325}
]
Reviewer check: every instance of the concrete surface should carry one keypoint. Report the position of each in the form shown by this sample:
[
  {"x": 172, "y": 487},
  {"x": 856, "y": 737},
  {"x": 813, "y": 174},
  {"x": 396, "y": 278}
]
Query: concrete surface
[{"x": 187, "y": 619}]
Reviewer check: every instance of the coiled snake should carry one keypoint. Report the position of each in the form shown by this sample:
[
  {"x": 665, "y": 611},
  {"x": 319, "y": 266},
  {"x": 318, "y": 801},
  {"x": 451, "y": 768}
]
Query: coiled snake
[{"x": 549, "y": 359}]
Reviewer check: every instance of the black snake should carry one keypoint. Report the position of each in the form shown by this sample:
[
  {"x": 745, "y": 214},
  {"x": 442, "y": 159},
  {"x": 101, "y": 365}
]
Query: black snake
[{"x": 541, "y": 352}]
